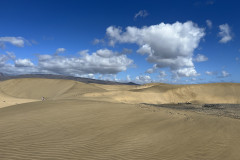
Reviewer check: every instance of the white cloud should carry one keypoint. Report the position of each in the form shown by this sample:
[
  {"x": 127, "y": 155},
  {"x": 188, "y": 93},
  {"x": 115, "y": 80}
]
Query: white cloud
[
  {"x": 185, "y": 72},
  {"x": 102, "y": 61},
  {"x": 90, "y": 75},
  {"x": 167, "y": 45},
  {"x": 23, "y": 63},
  {"x": 9, "y": 68},
  {"x": 126, "y": 51},
  {"x": 162, "y": 74},
  {"x": 237, "y": 58},
  {"x": 150, "y": 70},
  {"x": 11, "y": 55},
  {"x": 209, "y": 24},
  {"x": 200, "y": 58},
  {"x": 141, "y": 13},
  {"x": 128, "y": 78},
  {"x": 194, "y": 79},
  {"x": 225, "y": 74},
  {"x": 209, "y": 73},
  {"x": 105, "y": 53},
  {"x": 143, "y": 79},
  {"x": 3, "y": 59},
  {"x": 97, "y": 41},
  {"x": 83, "y": 52},
  {"x": 225, "y": 33},
  {"x": 145, "y": 49},
  {"x": 60, "y": 50},
  {"x": 109, "y": 77},
  {"x": 44, "y": 57},
  {"x": 16, "y": 41}
]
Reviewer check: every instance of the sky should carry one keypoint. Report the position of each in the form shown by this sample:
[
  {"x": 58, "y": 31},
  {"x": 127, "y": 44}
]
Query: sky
[{"x": 141, "y": 41}]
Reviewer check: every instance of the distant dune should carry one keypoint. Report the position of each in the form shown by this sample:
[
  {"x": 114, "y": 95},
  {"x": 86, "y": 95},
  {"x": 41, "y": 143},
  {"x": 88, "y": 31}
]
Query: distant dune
[
  {"x": 98, "y": 121},
  {"x": 157, "y": 93},
  {"x": 53, "y": 76}
]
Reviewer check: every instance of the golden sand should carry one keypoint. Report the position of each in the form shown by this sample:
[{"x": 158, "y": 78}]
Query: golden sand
[{"x": 92, "y": 121}]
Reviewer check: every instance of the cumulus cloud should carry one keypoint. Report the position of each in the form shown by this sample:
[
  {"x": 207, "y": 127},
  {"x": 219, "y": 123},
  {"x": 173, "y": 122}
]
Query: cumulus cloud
[
  {"x": 145, "y": 49},
  {"x": 3, "y": 59},
  {"x": 150, "y": 71},
  {"x": 225, "y": 33},
  {"x": 83, "y": 52},
  {"x": 98, "y": 41},
  {"x": 16, "y": 41},
  {"x": 102, "y": 61},
  {"x": 167, "y": 45},
  {"x": 60, "y": 50},
  {"x": 23, "y": 63},
  {"x": 126, "y": 51},
  {"x": 128, "y": 78},
  {"x": 209, "y": 24},
  {"x": 185, "y": 72},
  {"x": 105, "y": 53},
  {"x": 11, "y": 55},
  {"x": 225, "y": 74},
  {"x": 143, "y": 79},
  {"x": 90, "y": 75},
  {"x": 162, "y": 74},
  {"x": 20, "y": 66},
  {"x": 142, "y": 14},
  {"x": 200, "y": 58},
  {"x": 209, "y": 73}
]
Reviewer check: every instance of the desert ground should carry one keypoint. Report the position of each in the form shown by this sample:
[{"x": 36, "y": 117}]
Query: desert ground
[{"x": 116, "y": 122}]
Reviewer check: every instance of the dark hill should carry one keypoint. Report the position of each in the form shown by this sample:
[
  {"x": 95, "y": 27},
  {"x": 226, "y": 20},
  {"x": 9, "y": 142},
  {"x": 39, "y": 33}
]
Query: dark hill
[{"x": 51, "y": 76}]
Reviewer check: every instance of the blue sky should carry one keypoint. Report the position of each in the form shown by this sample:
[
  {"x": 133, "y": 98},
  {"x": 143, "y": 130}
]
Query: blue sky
[{"x": 141, "y": 41}]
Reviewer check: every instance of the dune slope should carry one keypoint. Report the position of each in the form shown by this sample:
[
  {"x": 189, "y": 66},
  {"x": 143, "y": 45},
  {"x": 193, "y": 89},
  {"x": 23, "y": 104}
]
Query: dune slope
[
  {"x": 166, "y": 93},
  {"x": 90, "y": 121},
  {"x": 156, "y": 93},
  {"x": 35, "y": 88},
  {"x": 6, "y": 100},
  {"x": 79, "y": 129}
]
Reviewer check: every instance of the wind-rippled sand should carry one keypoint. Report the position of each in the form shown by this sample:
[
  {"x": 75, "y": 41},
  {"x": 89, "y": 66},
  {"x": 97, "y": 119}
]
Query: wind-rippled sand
[{"x": 72, "y": 125}]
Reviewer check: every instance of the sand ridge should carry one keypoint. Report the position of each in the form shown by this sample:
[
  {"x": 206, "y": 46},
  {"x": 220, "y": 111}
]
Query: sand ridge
[
  {"x": 154, "y": 93},
  {"x": 6, "y": 100},
  {"x": 167, "y": 94},
  {"x": 81, "y": 129}
]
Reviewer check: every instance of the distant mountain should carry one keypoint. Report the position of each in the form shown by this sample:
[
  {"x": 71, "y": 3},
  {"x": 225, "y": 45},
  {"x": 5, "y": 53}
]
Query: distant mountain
[
  {"x": 3, "y": 76},
  {"x": 51, "y": 76}
]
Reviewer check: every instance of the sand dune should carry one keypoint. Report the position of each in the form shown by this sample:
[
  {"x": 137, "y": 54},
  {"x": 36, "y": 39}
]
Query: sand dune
[
  {"x": 6, "y": 100},
  {"x": 36, "y": 88},
  {"x": 93, "y": 121},
  {"x": 149, "y": 93},
  {"x": 166, "y": 93},
  {"x": 79, "y": 129}
]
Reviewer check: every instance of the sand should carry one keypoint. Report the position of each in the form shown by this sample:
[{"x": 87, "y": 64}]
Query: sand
[
  {"x": 92, "y": 121},
  {"x": 6, "y": 100}
]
